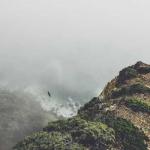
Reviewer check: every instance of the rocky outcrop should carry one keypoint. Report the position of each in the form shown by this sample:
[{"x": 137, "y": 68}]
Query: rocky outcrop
[{"x": 118, "y": 119}]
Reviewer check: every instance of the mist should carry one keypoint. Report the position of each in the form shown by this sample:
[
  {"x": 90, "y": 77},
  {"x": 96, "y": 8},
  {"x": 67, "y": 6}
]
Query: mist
[{"x": 70, "y": 48}]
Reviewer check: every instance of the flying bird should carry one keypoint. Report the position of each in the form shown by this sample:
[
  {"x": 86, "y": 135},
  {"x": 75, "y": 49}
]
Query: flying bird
[{"x": 49, "y": 94}]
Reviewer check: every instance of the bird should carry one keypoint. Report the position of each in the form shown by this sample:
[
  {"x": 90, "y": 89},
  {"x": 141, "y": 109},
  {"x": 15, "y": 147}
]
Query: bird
[{"x": 49, "y": 94}]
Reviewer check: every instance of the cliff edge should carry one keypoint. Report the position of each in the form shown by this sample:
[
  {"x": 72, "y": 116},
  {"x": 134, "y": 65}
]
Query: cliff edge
[{"x": 118, "y": 119}]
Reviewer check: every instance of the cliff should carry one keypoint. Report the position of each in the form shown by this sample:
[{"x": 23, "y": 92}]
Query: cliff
[{"x": 118, "y": 119}]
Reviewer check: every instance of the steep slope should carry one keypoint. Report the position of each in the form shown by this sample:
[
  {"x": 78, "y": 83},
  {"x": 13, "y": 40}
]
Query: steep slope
[{"x": 118, "y": 119}]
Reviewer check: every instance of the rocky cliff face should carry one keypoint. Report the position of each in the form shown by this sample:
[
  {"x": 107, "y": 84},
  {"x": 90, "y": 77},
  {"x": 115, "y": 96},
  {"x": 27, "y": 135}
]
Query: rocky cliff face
[{"x": 118, "y": 119}]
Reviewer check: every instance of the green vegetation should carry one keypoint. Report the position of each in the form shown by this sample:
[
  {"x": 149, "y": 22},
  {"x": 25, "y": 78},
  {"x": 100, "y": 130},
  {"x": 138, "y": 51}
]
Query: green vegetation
[
  {"x": 138, "y": 105},
  {"x": 87, "y": 133},
  {"x": 97, "y": 125},
  {"x": 126, "y": 74},
  {"x": 126, "y": 133},
  {"x": 48, "y": 141},
  {"x": 130, "y": 90}
]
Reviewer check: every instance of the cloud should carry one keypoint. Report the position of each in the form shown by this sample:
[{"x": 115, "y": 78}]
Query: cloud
[{"x": 72, "y": 48}]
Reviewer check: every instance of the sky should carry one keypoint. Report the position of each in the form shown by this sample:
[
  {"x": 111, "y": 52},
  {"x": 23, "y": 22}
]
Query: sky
[{"x": 71, "y": 48}]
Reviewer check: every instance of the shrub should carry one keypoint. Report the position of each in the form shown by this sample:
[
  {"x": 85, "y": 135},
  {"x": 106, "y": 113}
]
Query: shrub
[
  {"x": 48, "y": 141},
  {"x": 138, "y": 105},
  {"x": 129, "y": 90},
  {"x": 126, "y": 133},
  {"x": 87, "y": 133}
]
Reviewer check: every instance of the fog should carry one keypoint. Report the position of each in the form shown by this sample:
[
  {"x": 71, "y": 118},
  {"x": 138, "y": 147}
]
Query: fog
[{"x": 70, "y": 48}]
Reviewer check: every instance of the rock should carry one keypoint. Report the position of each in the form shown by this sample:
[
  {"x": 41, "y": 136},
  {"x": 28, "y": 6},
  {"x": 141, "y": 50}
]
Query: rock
[{"x": 118, "y": 119}]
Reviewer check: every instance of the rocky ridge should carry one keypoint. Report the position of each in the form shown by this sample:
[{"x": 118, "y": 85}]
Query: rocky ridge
[{"x": 118, "y": 119}]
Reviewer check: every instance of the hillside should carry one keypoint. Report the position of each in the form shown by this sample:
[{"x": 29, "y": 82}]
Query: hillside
[{"x": 118, "y": 119}]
